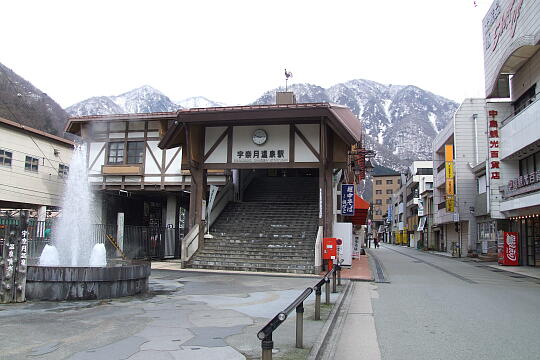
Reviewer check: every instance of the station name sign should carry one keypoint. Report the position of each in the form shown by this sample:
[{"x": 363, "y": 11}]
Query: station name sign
[{"x": 260, "y": 156}]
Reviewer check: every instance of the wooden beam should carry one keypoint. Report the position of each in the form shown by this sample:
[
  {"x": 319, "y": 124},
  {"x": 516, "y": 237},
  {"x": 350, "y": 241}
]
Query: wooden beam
[
  {"x": 216, "y": 144},
  {"x": 308, "y": 144}
]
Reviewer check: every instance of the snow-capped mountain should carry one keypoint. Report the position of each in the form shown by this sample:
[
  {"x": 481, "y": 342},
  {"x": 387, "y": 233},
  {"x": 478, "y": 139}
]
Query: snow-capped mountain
[
  {"x": 400, "y": 121},
  {"x": 145, "y": 99},
  {"x": 198, "y": 102}
]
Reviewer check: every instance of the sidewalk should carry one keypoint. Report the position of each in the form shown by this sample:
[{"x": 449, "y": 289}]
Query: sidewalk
[{"x": 359, "y": 271}]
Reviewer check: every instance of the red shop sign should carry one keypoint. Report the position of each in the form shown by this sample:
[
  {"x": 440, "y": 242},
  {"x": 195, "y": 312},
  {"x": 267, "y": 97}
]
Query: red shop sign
[{"x": 509, "y": 254}]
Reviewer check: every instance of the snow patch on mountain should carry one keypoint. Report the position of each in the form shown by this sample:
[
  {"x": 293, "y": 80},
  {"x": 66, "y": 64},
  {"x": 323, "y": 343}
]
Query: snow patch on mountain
[
  {"x": 198, "y": 102},
  {"x": 145, "y": 99}
]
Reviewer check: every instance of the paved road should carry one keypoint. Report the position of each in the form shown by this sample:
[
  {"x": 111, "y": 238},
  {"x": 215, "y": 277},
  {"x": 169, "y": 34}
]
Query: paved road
[
  {"x": 442, "y": 308},
  {"x": 187, "y": 315}
]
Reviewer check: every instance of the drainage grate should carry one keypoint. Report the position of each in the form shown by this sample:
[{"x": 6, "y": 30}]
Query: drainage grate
[{"x": 380, "y": 276}]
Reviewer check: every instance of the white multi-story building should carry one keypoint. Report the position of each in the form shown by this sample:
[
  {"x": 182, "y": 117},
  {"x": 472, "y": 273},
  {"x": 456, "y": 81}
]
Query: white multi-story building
[
  {"x": 457, "y": 150},
  {"x": 512, "y": 70},
  {"x": 33, "y": 168},
  {"x": 419, "y": 177}
]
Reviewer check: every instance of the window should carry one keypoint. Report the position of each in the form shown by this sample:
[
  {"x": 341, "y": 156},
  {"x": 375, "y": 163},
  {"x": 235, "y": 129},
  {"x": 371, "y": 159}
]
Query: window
[
  {"x": 378, "y": 201},
  {"x": 389, "y": 191},
  {"x": 528, "y": 165},
  {"x": 63, "y": 171},
  {"x": 424, "y": 171},
  {"x": 525, "y": 100},
  {"x": 31, "y": 163},
  {"x": 389, "y": 182},
  {"x": 378, "y": 192},
  {"x": 378, "y": 212},
  {"x": 5, "y": 157},
  {"x": 378, "y": 182},
  {"x": 135, "y": 152},
  {"x": 389, "y": 200},
  {"x": 116, "y": 153}
]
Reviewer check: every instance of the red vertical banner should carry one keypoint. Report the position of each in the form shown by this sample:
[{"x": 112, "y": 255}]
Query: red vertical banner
[{"x": 509, "y": 254}]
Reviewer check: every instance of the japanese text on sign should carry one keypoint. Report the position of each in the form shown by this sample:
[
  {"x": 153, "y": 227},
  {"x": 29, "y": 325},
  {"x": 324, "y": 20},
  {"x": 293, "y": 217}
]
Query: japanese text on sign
[
  {"x": 277, "y": 155},
  {"x": 494, "y": 145},
  {"x": 347, "y": 199}
]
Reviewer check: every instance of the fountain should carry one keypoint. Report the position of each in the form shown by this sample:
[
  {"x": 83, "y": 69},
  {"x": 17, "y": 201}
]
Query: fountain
[{"x": 75, "y": 265}]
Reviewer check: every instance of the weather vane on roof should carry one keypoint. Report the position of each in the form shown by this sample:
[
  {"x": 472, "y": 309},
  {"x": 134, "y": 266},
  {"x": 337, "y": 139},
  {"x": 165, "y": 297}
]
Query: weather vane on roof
[{"x": 288, "y": 75}]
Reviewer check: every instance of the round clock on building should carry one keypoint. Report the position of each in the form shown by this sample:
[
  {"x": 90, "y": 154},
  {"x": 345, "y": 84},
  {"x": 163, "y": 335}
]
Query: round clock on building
[{"x": 259, "y": 136}]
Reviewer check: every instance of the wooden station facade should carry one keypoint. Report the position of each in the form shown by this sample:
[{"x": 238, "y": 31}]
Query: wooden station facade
[{"x": 291, "y": 136}]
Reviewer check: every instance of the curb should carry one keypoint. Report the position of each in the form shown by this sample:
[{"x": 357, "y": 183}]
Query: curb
[{"x": 320, "y": 345}]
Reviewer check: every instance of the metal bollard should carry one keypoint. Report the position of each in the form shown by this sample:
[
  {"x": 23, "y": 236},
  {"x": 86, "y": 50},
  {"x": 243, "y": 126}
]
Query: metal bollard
[
  {"x": 339, "y": 275},
  {"x": 334, "y": 282},
  {"x": 299, "y": 325},
  {"x": 327, "y": 291},
  {"x": 267, "y": 345},
  {"x": 318, "y": 303}
]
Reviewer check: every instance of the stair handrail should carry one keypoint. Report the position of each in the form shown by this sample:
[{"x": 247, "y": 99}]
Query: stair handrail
[
  {"x": 191, "y": 236},
  {"x": 265, "y": 334},
  {"x": 225, "y": 193}
]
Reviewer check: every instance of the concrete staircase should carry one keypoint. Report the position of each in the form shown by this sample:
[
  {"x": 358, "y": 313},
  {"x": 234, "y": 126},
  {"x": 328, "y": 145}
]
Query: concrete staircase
[{"x": 272, "y": 230}]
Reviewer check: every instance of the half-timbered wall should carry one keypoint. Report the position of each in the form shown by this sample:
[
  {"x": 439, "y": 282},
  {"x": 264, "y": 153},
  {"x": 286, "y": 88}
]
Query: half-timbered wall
[
  {"x": 158, "y": 167},
  {"x": 278, "y": 148}
]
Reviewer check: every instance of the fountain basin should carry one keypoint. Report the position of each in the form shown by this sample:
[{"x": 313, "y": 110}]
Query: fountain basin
[{"x": 60, "y": 283}]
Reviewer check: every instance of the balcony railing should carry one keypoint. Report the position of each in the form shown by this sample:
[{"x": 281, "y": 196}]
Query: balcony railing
[
  {"x": 519, "y": 110},
  {"x": 442, "y": 205},
  {"x": 441, "y": 167}
]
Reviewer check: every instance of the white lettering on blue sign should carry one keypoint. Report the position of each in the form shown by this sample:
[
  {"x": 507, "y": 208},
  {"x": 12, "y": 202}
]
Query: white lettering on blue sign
[{"x": 347, "y": 199}]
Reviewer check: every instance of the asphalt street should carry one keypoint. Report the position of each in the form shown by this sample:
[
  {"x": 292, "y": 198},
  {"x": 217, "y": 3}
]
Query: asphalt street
[{"x": 435, "y": 307}]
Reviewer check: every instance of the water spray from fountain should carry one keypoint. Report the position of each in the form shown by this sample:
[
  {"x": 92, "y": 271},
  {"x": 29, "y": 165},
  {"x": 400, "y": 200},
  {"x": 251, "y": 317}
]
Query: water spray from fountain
[{"x": 72, "y": 234}]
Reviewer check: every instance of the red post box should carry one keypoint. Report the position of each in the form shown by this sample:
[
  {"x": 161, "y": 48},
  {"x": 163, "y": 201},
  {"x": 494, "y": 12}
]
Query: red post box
[{"x": 329, "y": 251}]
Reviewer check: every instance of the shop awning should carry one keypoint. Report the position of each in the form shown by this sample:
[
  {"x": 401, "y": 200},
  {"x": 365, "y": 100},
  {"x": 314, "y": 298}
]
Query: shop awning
[
  {"x": 422, "y": 223},
  {"x": 361, "y": 208}
]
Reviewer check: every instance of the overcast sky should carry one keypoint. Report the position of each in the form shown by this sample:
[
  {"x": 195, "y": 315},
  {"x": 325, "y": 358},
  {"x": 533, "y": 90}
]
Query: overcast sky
[{"x": 232, "y": 51}]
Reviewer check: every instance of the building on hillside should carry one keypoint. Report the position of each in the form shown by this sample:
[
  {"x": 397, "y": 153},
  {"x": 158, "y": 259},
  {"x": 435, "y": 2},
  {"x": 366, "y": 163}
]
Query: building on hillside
[
  {"x": 33, "y": 166},
  {"x": 419, "y": 177},
  {"x": 385, "y": 183},
  {"x": 512, "y": 70}
]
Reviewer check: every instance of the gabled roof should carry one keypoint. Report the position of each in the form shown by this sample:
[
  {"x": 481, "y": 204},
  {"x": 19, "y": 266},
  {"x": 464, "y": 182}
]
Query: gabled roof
[
  {"x": 36, "y": 131},
  {"x": 74, "y": 123},
  {"x": 340, "y": 119}
]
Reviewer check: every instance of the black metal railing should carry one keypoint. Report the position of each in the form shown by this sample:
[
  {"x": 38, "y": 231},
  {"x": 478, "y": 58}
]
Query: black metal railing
[
  {"x": 139, "y": 242},
  {"x": 265, "y": 334}
]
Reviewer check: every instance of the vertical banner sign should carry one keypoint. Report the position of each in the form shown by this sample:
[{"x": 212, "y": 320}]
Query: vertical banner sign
[
  {"x": 449, "y": 166},
  {"x": 494, "y": 144},
  {"x": 347, "y": 199},
  {"x": 508, "y": 254}
]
